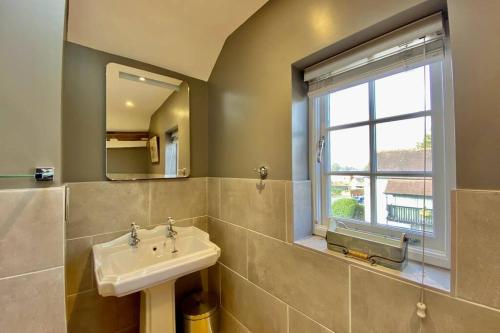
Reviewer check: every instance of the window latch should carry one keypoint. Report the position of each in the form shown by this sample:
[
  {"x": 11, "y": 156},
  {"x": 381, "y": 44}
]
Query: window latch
[{"x": 321, "y": 146}]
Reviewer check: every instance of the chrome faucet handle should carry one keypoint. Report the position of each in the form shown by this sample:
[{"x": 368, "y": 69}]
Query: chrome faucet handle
[
  {"x": 170, "y": 220},
  {"x": 134, "y": 239},
  {"x": 170, "y": 230}
]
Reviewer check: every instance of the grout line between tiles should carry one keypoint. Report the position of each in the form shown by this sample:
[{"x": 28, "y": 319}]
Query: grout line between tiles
[
  {"x": 286, "y": 212},
  {"x": 258, "y": 287},
  {"x": 287, "y": 318},
  {"x": 247, "y": 251},
  {"x": 65, "y": 219},
  {"x": 234, "y": 317},
  {"x": 311, "y": 319},
  {"x": 31, "y": 273},
  {"x": 219, "y": 273},
  {"x": 349, "y": 300},
  {"x": 150, "y": 226},
  {"x": 250, "y": 230},
  {"x": 81, "y": 292},
  {"x": 219, "y": 206},
  {"x": 454, "y": 250}
]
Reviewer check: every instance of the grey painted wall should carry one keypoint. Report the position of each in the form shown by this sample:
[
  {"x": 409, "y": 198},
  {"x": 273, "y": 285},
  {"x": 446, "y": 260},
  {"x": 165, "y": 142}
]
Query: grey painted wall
[
  {"x": 474, "y": 28},
  {"x": 173, "y": 113},
  {"x": 256, "y": 102},
  {"x": 31, "y": 35},
  {"x": 84, "y": 109},
  {"x": 128, "y": 160},
  {"x": 250, "y": 89}
]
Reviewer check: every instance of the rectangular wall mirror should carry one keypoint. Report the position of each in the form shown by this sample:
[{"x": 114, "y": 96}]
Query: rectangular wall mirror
[{"x": 147, "y": 125}]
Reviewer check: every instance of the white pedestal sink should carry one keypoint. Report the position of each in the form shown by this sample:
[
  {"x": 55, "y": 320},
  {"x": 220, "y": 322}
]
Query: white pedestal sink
[{"x": 152, "y": 268}]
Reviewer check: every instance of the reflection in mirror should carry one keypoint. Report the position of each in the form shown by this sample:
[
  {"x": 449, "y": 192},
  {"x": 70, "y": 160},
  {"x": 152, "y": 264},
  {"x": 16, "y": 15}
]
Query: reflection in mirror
[{"x": 147, "y": 125}]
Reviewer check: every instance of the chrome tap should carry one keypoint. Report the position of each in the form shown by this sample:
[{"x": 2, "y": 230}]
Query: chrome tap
[
  {"x": 171, "y": 233},
  {"x": 134, "y": 237}
]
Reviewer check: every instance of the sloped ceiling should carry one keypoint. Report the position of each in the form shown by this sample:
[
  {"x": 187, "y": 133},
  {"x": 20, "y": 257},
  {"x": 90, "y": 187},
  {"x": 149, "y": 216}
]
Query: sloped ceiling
[
  {"x": 145, "y": 98},
  {"x": 185, "y": 36}
]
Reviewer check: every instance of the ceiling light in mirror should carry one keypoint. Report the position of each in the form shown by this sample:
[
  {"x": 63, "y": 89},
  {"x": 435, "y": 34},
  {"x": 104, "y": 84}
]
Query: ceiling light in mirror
[{"x": 143, "y": 109}]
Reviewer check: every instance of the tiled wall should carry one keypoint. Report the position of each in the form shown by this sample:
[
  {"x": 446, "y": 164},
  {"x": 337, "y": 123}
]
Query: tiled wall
[
  {"x": 31, "y": 260},
  {"x": 265, "y": 282},
  {"x": 268, "y": 285},
  {"x": 100, "y": 211}
]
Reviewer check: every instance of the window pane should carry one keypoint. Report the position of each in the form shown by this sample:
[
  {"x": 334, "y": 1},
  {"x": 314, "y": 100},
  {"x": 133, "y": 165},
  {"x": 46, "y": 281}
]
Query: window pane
[
  {"x": 400, "y": 145},
  {"x": 350, "y": 149},
  {"x": 350, "y": 197},
  {"x": 400, "y": 203},
  {"x": 402, "y": 93},
  {"x": 349, "y": 105}
]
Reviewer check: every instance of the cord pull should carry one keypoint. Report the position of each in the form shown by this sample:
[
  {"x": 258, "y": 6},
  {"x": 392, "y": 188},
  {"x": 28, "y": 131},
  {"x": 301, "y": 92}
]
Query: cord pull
[{"x": 421, "y": 310}]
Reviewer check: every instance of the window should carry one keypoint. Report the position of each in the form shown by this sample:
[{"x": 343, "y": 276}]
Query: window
[
  {"x": 171, "y": 153},
  {"x": 382, "y": 145}
]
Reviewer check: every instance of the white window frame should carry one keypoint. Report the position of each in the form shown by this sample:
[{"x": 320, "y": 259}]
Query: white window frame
[{"x": 437, "y": 246}]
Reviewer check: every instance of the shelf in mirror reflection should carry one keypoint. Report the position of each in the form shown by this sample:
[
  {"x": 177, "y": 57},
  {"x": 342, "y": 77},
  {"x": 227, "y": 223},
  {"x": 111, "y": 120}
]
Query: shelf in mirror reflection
[{"x": 148, "y": 138}]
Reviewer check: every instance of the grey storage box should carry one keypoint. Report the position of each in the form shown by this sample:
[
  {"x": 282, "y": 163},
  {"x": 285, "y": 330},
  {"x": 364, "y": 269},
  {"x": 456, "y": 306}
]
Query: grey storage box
[
  {"x": 373, "y": 248},
  {"x": 200, "y": 313}
]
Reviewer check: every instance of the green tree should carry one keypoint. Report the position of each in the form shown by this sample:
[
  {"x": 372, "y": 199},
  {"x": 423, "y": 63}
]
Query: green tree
[
  {"x": 348, "y": 208},
  {"x": 426, "y": 143}
]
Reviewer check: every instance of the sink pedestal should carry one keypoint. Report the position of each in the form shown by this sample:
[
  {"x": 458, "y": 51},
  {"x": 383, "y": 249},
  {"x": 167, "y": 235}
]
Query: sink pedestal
[{"x": 158, "y": 308}]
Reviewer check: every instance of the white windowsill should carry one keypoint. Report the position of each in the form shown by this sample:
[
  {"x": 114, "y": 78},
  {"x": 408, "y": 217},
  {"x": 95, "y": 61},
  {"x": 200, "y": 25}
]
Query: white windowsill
[{"x": 435, "y": 277}]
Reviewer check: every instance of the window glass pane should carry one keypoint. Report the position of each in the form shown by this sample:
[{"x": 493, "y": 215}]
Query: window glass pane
[
  {"x": 402, "y": 93},
  {"x": 350, "y": 197},
  {"x": 400, "y": 203},
  {"x": 350, "y": 149},
  {"x": 400, "y": 145},
  {"x": 349, "y": 105}
]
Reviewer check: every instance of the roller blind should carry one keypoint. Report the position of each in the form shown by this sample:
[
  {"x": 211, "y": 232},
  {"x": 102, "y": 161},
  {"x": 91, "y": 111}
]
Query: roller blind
[{"x": 410, "y": 46}]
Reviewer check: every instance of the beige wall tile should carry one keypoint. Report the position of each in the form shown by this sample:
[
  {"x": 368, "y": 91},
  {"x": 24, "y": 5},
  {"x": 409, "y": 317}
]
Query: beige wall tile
[
  {"x": 478, "y": 246},
  {"x": 214, "y": 197},
  {"x": 302, "y": 209},
  {"x": 179, "y": 198},
  {"x": 214, "y": 279},
  {"x": 78, "y": 266},
  {"x": 201, "y": 223},
  {"x": 299, "y": 210},
  {"x": 89, "y": 312},
  {"x": 233, "y": 243},
  {"x": 313, "y": 283},
  {"x": 289, "y": 211},
  {"x": 447, "y": 314},
  {"x": 183, "y": 223},
  {"x": 31, "y": 230},
  {"x": 33, "y": 302},
  {"x": 299, "y": 323},
  {"x": 244, "y": 202},
  {"x": 101, "y": 207},
  {"x": 229, "y": 324},
  {"x": 381, "y": 304},
  {"x": 252, "y": 306},
  {"x": 104, "y": 238},
  {"x": 453, "y": 242}
]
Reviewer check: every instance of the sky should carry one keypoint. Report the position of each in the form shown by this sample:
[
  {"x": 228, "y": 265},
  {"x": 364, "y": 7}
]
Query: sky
[{"x": 402, "y": 93}]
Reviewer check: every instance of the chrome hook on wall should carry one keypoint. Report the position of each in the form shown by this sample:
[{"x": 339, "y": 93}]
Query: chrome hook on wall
[{"x": 262, "y": 171}]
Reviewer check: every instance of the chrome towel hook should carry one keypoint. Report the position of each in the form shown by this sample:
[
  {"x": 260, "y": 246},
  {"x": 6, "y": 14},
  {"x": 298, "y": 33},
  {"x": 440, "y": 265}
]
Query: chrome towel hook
[{"x": 262, "y": 171}]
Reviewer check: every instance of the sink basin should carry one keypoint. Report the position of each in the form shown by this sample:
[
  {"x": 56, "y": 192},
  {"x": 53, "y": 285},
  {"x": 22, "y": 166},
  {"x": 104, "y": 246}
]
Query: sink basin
[{"x": 121, "y": 269}]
